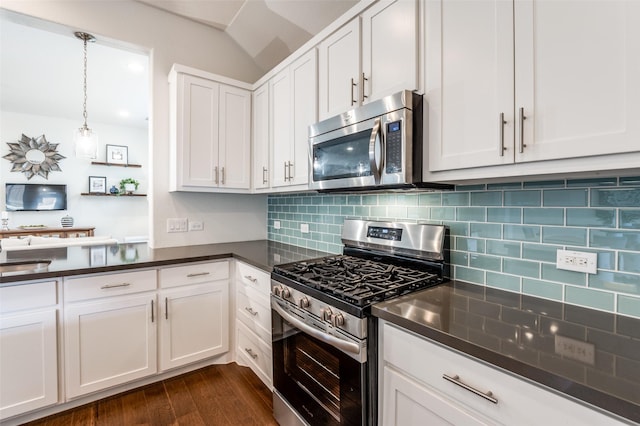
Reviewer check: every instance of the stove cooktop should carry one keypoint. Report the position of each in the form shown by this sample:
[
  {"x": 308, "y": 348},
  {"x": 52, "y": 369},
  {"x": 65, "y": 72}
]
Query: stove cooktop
[{"x": 358, "y": 281}]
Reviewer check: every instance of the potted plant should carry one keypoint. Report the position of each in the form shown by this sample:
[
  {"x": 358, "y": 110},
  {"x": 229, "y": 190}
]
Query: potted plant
[{"x": 128, "y": 185}]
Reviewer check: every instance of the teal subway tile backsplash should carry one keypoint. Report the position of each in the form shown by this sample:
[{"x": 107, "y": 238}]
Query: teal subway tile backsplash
[{"x": 503, "y": 235}]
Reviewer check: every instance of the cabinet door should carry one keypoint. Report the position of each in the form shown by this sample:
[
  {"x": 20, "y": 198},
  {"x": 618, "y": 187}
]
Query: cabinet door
[
  {"x": 235, "y": 138},
  {"x": 577, "y": 78},
  {"x": 304, "y": 110},
  {"x": 280, "y": 127},
  {"x": 407, "y": 403},
  {"x": 469, "y": 82},
  {"x": 28, "y": 362},
  {"x": 198, "y": 131},
  {"x": 261, "y": 142},
  {"x": 389, "y": 49},
  {"x": 194, "y": 323},
  {"x": 339, "y": 73},
  {"x": 109, "y": 342}
]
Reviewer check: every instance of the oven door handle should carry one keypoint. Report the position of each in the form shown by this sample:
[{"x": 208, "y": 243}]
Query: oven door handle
[
  {"x": 375, "y": 136},
  {"x": 336, "y": 342}
]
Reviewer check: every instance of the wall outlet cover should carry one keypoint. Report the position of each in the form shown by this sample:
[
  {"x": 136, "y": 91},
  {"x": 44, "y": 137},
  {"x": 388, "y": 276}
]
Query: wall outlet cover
[
  {"x": 276, "y": 224},
  {"x": 304, "y": 228},
  {"x": 196, "y": 225},
  {"x": 577, "y": 261}
]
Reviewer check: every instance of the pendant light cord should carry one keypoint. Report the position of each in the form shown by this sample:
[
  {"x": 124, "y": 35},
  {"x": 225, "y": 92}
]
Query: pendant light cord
[{"x": 84, "y": 103}]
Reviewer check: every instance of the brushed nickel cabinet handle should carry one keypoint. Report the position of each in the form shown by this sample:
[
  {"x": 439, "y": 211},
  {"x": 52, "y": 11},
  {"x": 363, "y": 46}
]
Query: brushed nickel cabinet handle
[
  {"x": 353, "y": 84},
  {"x": 502, "y": 148},
  {"x": 222, "y": 180},
  {"x": 363, "y": 88},
  {"x": 152, "y": 316},
  {"x": 104, "y": 287},
  {"x": 522, "y": 118},
  {"x": 285, "y": 171},
  {"x": 250, "y": 278},
  {"x": 264, "y": 174},
  {"x": 250, "y": 310},
  {"x": 215, "y": 171},
  {"x": 250, "y": 352},
  {"x": 197, "y": 274},
  {"x": 290, "y": 167},
  {"x": 166, "y": 308},
  {"x": 456, "y": 381}
]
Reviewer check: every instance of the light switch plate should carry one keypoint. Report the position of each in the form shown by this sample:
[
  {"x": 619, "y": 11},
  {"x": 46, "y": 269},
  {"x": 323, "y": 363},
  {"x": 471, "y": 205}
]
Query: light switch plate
[{"x": 177, "y": 225}]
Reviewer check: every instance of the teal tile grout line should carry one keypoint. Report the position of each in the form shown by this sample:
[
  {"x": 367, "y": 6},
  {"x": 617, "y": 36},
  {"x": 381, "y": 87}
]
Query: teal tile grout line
[{"x": 544, "y": 228}]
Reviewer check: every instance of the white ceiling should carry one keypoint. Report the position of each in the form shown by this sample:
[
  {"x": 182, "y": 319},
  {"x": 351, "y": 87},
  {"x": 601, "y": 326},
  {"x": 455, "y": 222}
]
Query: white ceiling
[{"x": 41, "y": 62}]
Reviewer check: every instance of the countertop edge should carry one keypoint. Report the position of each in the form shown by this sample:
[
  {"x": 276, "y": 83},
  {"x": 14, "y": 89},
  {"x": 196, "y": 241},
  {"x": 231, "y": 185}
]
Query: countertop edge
[{"x": 607, "y": 403}]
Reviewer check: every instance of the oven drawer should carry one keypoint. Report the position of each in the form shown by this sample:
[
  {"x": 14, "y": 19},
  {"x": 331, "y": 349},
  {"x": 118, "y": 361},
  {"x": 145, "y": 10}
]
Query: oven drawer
[
  {"x": 427, "y": 362},
  {"x": 250, "y": 277},
  {"x": 255, "y": 315},
  {"x": 255, "y": 353}
]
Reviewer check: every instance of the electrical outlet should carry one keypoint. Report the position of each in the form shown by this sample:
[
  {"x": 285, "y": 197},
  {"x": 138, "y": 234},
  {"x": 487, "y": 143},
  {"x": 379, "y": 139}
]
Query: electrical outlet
[
  {"x": 196, "y": 225},
  {"x": 177, "y": 225},
  {"x": 577, "y": 261},
  {"x": 304, "y": 228},
  {"x": 276, "y": 224},
  {"x": 575, "y": 349}
]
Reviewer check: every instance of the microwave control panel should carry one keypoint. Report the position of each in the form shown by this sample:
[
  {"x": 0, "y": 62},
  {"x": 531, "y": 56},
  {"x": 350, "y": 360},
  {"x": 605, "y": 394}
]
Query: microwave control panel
[{"x": 393, "y": 156}]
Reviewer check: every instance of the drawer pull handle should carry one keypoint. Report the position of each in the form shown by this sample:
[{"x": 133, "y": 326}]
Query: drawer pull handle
[
  {"x": 104, "y": 287},
  {"x": 152, "y": 316},
  {"x": 250, "y": 278},
  {"x": 166, "y": 308},
  {"x": 456, "y": 381},
  {"x": 198, "y": 274},
  {"x": 250, "y": 310},
  {"x": 250, "y": 352}
]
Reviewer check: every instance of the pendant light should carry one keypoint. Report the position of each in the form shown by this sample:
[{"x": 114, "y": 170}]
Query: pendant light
[{"x": 86, "y": 139}]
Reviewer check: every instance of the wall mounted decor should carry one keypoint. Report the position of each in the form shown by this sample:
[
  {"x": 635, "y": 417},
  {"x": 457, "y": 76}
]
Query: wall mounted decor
[
  {"x": 117, "y": 154},
  {"x": 34, "y": 156},
  {"x": 97, "y": 185}
]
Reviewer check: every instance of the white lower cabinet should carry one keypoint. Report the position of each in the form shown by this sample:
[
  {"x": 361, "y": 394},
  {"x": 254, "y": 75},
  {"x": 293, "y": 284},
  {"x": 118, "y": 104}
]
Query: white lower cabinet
[
  {"x": 28, "y": 348},
  {"x": 110, "y": 330},
  {"x": 414, "y": 390},
  {"x": 194, "y": 319},
  {"x": 253, "y": 321}
]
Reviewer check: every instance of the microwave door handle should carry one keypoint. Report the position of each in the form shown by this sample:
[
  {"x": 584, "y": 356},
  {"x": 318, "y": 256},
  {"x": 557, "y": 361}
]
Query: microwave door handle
[{"x": 375, "y": 135}]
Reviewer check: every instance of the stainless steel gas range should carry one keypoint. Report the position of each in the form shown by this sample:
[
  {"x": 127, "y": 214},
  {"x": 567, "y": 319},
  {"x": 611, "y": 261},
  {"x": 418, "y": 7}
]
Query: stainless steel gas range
[{"x": 324, "y": 338}]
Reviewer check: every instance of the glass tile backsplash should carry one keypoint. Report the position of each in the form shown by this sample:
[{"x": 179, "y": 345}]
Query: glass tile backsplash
[{"x": 502, "y": 235}]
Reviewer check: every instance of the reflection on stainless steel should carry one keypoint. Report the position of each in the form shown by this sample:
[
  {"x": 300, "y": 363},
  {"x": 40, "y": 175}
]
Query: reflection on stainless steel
[{"x": 28, "y": 266}]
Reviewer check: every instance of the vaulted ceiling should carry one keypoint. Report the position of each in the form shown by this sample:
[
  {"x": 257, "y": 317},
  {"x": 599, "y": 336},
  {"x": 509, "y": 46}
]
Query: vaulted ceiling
[{"x": 268, "y": 30}]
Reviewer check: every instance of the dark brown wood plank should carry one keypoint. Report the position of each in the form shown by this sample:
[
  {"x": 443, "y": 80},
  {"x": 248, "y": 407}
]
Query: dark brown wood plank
[
  {"x": 134, "y": 408},
  {"x": 84, "y": 415},
  {"x": 110, "y": 412},
  {"x": 183, "y": 405},
  {"x": 205, "y": 389},
  {"x": 160, "y": 410}
]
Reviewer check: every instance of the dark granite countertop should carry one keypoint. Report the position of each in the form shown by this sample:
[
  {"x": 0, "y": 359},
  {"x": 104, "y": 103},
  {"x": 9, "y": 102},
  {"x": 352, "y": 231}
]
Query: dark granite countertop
[
  {"x": 525, "y": 334},
  {"x": 68, "y": 261}
]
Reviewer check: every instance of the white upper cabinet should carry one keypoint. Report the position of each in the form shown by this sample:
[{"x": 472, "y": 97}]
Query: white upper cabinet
[
  {"x": 571, "y": 89},
  {"x": 339, "y": 70},
  {"x": 293, "y": 93},
  {"x": 356, "y": 68},
  {"x": 389, "y": 49},
  {"x": 261, "y": 141},
  {"x": 210, "y": 133}
]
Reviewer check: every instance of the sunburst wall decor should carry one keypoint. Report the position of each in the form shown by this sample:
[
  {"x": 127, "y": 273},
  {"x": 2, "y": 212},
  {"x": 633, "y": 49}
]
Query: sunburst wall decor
[{"x": 34, "y": 156}]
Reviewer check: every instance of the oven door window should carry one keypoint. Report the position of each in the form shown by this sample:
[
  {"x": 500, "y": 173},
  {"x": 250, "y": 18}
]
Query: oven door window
[
  {"x": 345, "y": 157},
  {"x": 322, "y": 383}
]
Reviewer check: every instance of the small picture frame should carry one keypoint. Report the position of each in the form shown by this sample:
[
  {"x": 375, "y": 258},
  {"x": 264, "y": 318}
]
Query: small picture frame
[
  {"x": 98, "y": 256},
  {"x": 117, "y": 154},
  {"x": 97, "y": 185}
]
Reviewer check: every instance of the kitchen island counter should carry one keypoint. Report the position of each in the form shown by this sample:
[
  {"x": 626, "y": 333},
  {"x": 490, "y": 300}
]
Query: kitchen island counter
[
  {"x": 590, "y": 355},
  {"x": 68, "y": 261}
]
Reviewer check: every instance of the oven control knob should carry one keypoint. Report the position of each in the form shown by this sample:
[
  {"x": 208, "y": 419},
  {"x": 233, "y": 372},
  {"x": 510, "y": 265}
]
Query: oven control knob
[
  {"x": 327, "y": 314},
  {"x": 286, "y": 293},
  {"x": 337, "y": 320},
  {"x": 303, "y": 302},
  {"x": 281, "y": 291}
]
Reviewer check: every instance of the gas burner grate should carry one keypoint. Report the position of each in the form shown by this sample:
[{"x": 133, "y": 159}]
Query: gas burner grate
[{"x": 357, "y": 280}]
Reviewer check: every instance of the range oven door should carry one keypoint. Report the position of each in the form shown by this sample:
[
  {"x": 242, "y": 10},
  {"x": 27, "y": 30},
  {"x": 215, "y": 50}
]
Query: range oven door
[{"x": 323, "y": 384}]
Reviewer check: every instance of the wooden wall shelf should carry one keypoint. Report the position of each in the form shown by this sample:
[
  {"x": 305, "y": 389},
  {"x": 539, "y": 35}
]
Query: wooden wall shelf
[
  {"x": 113, "y": 195},
  {"x": 100, "y": 163},
  {"x": 49, "y": 232}
]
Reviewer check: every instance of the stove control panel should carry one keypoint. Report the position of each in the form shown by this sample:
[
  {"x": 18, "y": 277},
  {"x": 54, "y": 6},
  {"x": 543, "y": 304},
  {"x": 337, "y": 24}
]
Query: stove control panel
[{"x": 393, "y": 234}]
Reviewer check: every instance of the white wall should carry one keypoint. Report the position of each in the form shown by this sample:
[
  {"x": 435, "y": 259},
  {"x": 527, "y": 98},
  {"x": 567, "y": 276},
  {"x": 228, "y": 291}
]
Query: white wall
[
  {"x": 117, "y": 217},
  {"x": 170, "y": 39}
]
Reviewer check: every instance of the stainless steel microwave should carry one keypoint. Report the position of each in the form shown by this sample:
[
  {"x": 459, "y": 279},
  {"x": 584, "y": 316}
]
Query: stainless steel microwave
[{"x": 375, "y": 146}]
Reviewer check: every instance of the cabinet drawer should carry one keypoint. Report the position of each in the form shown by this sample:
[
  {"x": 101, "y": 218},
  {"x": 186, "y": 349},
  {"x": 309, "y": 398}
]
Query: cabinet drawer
[
  {"x": 94, "y": 286},
  {"x": 256, "y": 353},
  {"x": 28, "y": 296},
  {"x": 428, "y": 361},
  {"x": 252, "y": 277},
  {"x": 194, "y": 273},
  {"x": 255, "y": 315}
]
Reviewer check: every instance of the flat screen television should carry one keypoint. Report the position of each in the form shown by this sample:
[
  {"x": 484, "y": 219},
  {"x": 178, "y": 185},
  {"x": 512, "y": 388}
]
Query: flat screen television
[{"x": 22, "y": 197}]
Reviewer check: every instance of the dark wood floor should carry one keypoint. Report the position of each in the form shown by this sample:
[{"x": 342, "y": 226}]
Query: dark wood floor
[{"x": 216, "y": 395}]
